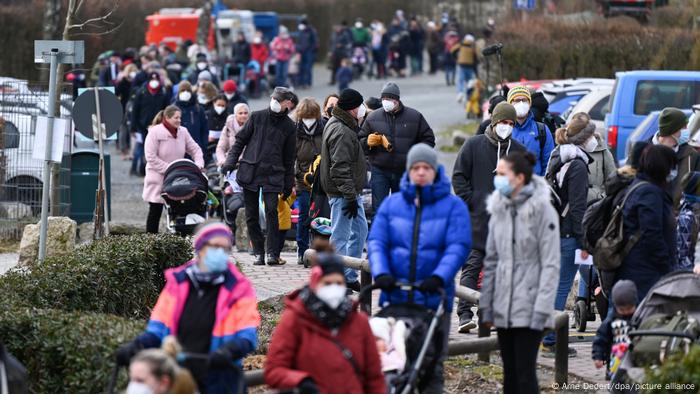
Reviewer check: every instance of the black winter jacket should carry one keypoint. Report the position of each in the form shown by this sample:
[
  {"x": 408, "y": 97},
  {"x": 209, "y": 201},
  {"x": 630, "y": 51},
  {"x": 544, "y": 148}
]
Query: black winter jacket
[
  {"x": 146, "y": 107},
  {"x": 403, "y": 129},
  {"x": 472, "y": 179},
  {"x": 308, "y": 147},
  {"x": 343, "y": 168},
  {"x": 215, "y": 121},
  {"x": 614, "y": 329},
  {"x": 269, "y": 141}
]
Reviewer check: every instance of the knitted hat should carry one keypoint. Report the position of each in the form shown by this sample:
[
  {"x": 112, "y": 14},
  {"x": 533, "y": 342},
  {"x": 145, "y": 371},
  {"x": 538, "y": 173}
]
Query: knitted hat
[
  {"x": 204, "y": 75},
  {"x": 211, "y": 230},
  {"x": 579, "y": 130},
  {"x": 421, "y": 153},
  {"x": 230, "y": 86},
  {"x": 391, "y": 90},
  {"x": 321, "y": 226},
  {"x": 519, "y": 91},
  {"x": 373, "y": 103},
  {"x": 671, "y": 120},
  {"x": 624, "y": 293},
  {"x": 691, "y": 183},
  {"x": 349, "y": 99},
  {"x": 326, "y": 264},
  {"x": 494, "y": 101},
  {"x": 503, "y": 111},
  {"x": 540, "y": 105}
]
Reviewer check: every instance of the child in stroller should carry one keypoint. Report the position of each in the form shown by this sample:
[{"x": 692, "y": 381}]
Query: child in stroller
[
  {"x": 233, "y": 201},
  {"x": 185, "y": 194},
  {"x": 255, "y": 82}
]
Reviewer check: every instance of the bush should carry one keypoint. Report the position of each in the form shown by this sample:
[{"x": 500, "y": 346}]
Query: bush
[
  {"x": 679, "y": 369},
  {"x": 65, "y": 352},
  {"x": 120, "y": 275}
]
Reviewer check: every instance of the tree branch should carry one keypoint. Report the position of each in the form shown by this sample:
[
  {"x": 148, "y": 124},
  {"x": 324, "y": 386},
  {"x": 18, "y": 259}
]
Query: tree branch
[
  {"x": 91, "y": 21},
  {"x": 112, "y": 30}
]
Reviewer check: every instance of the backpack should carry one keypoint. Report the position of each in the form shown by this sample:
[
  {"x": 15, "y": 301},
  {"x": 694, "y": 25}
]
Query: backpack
[
  {"x": 553, "y": 122},
  {"x": 541, "y": 135},
  {"x": 556, "y": 189},
  {"x": 653, "y": 348},
  {"x": 611, "y": 248},
  {"x": 319, "y": 206}
]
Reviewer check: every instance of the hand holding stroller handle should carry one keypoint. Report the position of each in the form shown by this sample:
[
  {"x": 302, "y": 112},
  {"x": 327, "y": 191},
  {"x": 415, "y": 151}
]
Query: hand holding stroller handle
[{"x": 405, "y": 286}]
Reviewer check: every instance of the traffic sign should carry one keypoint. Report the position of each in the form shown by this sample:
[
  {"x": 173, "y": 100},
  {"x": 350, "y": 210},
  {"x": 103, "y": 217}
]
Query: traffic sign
[
  {"x": 527, "y": 5},
  {"x": 84, "y": 112}
]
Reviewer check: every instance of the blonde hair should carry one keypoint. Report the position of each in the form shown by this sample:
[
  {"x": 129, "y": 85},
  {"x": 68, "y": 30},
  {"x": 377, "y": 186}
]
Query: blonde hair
[
  {"x": 129, "y": 68},
  {"x": 159, "y": 362},
  {"x": 308, "y": 108},
  {"x": 184, "y": 85},
  {"x": 208, "y": 89},
  {"x": 167, "y": 113}
]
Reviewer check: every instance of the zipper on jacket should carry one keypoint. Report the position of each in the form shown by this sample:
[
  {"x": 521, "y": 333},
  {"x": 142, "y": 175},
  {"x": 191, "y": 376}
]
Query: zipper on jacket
[
  {"x": 513, "y": 215},
  {"x": 414, "y": 242}
]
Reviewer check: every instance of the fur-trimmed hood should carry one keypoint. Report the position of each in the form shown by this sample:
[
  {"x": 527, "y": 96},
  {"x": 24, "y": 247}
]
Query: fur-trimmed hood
[{"x": 539, "y": 192}]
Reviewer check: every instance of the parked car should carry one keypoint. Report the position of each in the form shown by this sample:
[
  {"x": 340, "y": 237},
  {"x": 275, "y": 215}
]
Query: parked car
[
  {"x": 644, "y": 132},
  {"x": 594, "y": 104},
  {"x": 638, "y": 93},
  {"x": 562, "y": 98}
]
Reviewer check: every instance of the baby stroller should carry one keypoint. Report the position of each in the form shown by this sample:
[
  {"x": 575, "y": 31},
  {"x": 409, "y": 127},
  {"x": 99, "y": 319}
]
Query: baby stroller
[
  {"x": 232, "y": 198},
  {"x": 185, "y": 195},
  {"x": 423, "y": 343},
  {"x": 583, "y": 309},
  {"x": 665, "y": 323},
  {"x": 254, "y": 83}
]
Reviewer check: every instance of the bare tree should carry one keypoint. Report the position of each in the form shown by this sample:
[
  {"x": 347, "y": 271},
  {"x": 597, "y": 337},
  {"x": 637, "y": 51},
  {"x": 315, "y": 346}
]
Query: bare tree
[
  {"x": 204, "y": 22},
  {"x": 52, "y": 27}
]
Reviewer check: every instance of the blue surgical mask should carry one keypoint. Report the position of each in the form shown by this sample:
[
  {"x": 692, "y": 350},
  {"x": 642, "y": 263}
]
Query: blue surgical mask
[
  {"x": 685, "y": 137},
  {"x": 216, "y": 259},
  {"x": 501, "y": 183}
]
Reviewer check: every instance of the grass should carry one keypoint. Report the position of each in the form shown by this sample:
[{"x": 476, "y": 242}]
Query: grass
[
  {"x": 468, "y": 128},
  {"x": 9, "y": 246}
]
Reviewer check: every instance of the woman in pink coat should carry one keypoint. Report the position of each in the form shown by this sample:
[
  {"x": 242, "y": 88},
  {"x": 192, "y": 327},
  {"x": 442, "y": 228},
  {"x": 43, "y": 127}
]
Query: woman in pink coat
[
  {"x": 166, "y": 142},
  {"x": 234, "y": 123}
]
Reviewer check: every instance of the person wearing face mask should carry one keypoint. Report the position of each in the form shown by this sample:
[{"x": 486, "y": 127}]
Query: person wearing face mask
[
  {"x": 201, "y": 63},
  {"x": 602, "y": 166},
  {"x": 521, "y": 268},
  {"x": 421, "y": 235},
  {"x": 673, "y": 133},
  {"x": 211, "y": 309},
  {"x": 536, "y": 137},
  {"x": 240, "y": 55},
  {"x": 206, "y": 92},
  {"x": 387, "y": 135},
  {"x": 264, "y": 153},
  {"x": 472, "y": 180},
  {"x": 109, "y": 76},
  {"x": 234, "y": 124},
  {"x": 322, "y": 343},
  {"x": 648, "y": 214},
  {"x": 568, "y": 175},
  {"x": 124, "y": 92},
  {"x": 216, "y": 118},
  {"x": 149, "y": 100},
  {"x": 328, "y": 104},
  {"x": 283, "y": 49},
  {"x": 309, "y": 131},
  {"x": 343, "y": 174},
  {"x": 233, "y": 96},
  {"x": 194, "y": 117},
  {"x": 307, "y": 45},
  {"x": 152, "y": 371}
]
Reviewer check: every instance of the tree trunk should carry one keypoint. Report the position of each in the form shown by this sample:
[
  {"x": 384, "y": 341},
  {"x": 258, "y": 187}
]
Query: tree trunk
[
  {"x": 204, "y": 22},
  {"x": 51, "y": 28}
]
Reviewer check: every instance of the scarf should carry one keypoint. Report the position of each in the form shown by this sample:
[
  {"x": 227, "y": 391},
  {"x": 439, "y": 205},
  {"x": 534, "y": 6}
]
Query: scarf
[
  {"x": 172, "y": 129},
  {"x": 199, "y": 277},
  {"x": 567, "y": 153},
  {"x": 331, "y": 318},
  {"x": 494, "y": 139}
]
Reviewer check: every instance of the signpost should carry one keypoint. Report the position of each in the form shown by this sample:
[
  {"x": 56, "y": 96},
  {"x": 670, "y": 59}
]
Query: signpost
[
  {"x": 98, "y": 114},
  {"x": 54, "y": 53}
]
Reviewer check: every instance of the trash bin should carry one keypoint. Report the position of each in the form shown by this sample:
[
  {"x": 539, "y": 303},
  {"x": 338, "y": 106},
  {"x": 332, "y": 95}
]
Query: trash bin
[{"x": 83, "y": 176}]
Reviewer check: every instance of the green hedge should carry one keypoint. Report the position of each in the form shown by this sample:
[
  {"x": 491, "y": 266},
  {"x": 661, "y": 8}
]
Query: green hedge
[
  {"x": 679, "y": 369},
  {"x": 120, "y": 275},
  {"x": 65, "y": 352}
]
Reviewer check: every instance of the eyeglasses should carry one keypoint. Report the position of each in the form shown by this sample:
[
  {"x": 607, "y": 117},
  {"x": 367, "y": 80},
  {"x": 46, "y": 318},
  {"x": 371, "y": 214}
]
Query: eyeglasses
[{"x": 520, "y": 100}]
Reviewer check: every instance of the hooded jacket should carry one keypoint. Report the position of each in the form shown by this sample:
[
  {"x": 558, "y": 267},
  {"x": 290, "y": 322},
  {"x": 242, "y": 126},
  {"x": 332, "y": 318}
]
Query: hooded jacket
[
  {"x": 418, "y": 233},
  {"x": 194, "y": 119},
  {"x": 528, "y": 134},
  {"x": 146, "y": 106},
  {"x": 269, "y": 140},
  {"x": 403, "y": 129},
  {"x": 472, "y": 177},
  {"x": 302, "y": 347},
  {"x": 688, "y": 161},
  {"x": 308, "y": 147},
  {"x": 521, "y": 268},
  {"x": 343, "y": 168},
  {"x": 602, "y": 167}
]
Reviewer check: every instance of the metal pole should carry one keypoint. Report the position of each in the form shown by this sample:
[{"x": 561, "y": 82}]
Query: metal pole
[
  {"x": 366, "y": 280},
  {"x": 561, "y": 348},
  {"x": 103, "y": 180},
  {"x": 44, "y": 224}
]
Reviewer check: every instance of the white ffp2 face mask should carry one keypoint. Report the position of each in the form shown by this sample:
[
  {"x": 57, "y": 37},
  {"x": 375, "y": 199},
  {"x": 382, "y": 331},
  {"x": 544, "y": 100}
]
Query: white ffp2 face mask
[
  {"x": 388, "y": 105},
  {"x": 503, "y": 131},
  {"x": 590, "y": 145},
  {"x": 185, "y": 96},
  {"x": 138, "y": 388},
  {"x": 521, "y": 109},
  {"x": 219, "y": 109},
  {"x": 361, "y": 112},
  {"x": 332, "y": 295},
  {"x": 275, "y": 106},
  {"x": 309, "y": 122}
]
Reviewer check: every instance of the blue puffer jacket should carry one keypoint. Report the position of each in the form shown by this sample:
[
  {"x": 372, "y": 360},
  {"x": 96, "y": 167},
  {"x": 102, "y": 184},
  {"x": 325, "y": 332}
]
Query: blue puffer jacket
[
  {"x": 528, "y": 135},
  {"x": 444, "y": 239}
]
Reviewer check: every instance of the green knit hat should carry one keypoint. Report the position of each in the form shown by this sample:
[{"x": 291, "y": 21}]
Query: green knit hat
[
  {"x": 671, "y": 120},
  {"x": 503, "y": 111}
]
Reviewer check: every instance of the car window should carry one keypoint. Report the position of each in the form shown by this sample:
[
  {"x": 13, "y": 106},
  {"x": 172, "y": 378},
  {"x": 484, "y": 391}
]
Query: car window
[
  {"x": 10, "y": 136},
  {"x": 656, "y": 95},
  {"x": 564, "y": 104},
  {"x": 596, "y": 111}
]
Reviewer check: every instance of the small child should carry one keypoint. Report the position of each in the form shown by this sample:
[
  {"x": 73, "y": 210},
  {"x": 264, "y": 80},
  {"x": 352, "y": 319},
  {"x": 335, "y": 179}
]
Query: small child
[
  {"x": 284, "y": 218},
  {"x": 612, "y": 339},
  {"x": 390, "y": 336},
  {"x": 233, "y": 202},
  {"x": 344, "y": 75},
  {"x": 687, "y": 230}
]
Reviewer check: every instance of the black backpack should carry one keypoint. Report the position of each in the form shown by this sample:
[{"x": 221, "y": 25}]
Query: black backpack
[
  {"x": 553, "y": 122},
  {"x": 556, "y": 189}
]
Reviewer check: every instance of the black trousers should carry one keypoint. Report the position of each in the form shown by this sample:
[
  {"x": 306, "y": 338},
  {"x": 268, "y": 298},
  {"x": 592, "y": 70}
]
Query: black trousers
[
  {"x": 252, "y": 218},
  {"x": 155, "y": 210},
  {"x": 470, "y": 278},
  {"x": 519, "y": 348}
]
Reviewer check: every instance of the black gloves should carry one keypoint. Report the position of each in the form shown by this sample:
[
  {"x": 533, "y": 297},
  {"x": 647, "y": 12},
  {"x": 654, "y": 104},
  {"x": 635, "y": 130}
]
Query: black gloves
[
  {"x": 385, "y": 282},
  {"x": 126, "y": 352},
  {"x": 431, "y": 284},
  {"x": 350, "y": 209},
  {"x": 224, "y": 356},
  {"x": 226, "y": 168},
  {"x": 307, "y": 386},
  {"x": 286, "y": 194}
]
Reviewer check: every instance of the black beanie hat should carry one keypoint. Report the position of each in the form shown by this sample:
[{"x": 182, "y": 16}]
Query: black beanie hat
[
  {"x": 494, "y": 101},
  {"x": 330, "y": 263},
  {"x": 349, "y": 99},
  {"x": 373, "y": 103}
]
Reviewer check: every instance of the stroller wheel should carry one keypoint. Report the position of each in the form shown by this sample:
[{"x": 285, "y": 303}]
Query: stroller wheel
[{"x": 580, "y": 316}]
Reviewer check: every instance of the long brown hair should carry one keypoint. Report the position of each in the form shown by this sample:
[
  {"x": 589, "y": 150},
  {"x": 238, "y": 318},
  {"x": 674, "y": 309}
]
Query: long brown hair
[{"x": 168, "y": 112}]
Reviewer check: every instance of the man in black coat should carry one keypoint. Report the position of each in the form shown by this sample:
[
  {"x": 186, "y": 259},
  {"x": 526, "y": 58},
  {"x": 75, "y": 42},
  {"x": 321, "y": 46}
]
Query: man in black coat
[
  {"x": 387, "y": 135},
  {"x": 472, "y": 180},
  {"x": 149, "y": 100},
  {"x": 267, "y": 165}
]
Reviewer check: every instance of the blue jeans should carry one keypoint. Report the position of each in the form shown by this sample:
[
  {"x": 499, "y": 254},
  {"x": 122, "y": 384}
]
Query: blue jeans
[
  {"x": 465, "y": 75},
  {"x": 584, "y": 271},
  {"x": 304, "y": 200},
  {"x": 349, "y": 235},
  {"x": 383, "y": 182},
  {"x": 567, "y": 272},
  {"x": 305, "y": 68},
  {"x": 281, "y": 69},
  {"x": 450, "y": 74},
  {"x": 137, "y": 161}
]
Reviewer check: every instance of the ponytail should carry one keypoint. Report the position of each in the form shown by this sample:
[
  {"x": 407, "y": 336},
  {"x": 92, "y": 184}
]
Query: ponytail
[
  {"x": 158, "y": 119},
  {"x": 168, "y": 112}
]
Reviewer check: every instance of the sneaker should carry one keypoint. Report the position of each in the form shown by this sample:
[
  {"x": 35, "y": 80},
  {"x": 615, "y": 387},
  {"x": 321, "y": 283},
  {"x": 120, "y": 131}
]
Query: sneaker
[
  {"x": 549, "y": 351},
  {"x": 467, "y": 326},
  {"x": 460, "y": 97},
  {"x": 275, "y": 260},
  {"x": 259, "y": 260}
]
